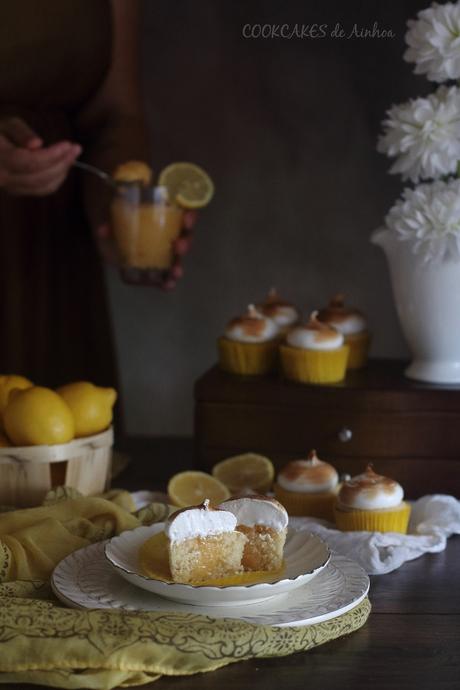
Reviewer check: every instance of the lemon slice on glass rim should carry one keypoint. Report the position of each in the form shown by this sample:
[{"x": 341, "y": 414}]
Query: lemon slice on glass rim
[{"x": 187, "y": 184}]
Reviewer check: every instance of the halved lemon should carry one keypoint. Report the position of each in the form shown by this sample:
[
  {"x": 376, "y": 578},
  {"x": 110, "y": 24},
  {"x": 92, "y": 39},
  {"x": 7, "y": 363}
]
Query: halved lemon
[
  {"x": 187, "y": 184},
  {"x": 247, "y": 472},
  {"x": 192, "y": 488}
]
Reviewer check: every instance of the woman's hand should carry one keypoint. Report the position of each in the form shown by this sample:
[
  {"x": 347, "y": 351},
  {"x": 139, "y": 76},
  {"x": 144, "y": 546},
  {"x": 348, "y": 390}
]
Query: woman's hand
[
  {"x": 27, "y": 167},
  {"x": 168, "y": 279}
]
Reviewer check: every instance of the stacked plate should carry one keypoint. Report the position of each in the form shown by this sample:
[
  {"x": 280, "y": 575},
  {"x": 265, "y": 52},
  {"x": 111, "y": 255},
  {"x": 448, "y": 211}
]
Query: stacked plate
[{"x": 315, "y": 585}]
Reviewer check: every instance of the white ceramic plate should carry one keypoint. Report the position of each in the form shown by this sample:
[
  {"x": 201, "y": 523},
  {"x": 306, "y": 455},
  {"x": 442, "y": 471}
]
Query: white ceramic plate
[
  {"x": 305, "y": 556},
  {"x": 85, "y": 579}
]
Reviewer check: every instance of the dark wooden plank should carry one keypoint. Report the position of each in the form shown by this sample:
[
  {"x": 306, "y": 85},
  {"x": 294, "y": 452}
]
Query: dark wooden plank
[
  {"x": 410, "y": 430},
  {"x": 421, "y": 586},
  {"x": 155, "y": 460},
  {"x": 284, "y": 428},
  {"x": 418, "y": 476},
  {"x": 382, "y": 381}
]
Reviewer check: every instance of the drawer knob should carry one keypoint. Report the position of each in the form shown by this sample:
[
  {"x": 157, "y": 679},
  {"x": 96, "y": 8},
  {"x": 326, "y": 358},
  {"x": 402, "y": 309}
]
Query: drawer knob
[{"x": 345, "y": 435}]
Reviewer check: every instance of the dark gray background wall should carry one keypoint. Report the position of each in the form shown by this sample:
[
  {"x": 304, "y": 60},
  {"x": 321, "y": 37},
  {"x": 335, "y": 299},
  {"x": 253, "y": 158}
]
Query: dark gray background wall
[{"x": 287, "y": 129}]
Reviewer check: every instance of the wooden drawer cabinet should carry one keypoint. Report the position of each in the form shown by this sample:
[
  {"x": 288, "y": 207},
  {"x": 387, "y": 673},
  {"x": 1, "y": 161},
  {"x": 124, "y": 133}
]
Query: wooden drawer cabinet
[{"x": 409, "y": 430}]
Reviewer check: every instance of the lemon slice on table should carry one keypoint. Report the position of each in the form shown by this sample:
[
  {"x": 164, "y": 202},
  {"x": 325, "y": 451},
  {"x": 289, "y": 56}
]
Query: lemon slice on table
[
  {"x": 192, "y": 488},
  {"x": 247, "y": 472},
  {"x": 187, "y": 184}
]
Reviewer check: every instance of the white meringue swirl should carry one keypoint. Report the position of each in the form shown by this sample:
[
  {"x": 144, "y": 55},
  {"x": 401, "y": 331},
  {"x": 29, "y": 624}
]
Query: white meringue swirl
[
  {"x": 252, "y": 511},
  {"x": 253, "y": 327},
  {"x": 198, "y": 521},
  {"x": 307, "y": 339}
]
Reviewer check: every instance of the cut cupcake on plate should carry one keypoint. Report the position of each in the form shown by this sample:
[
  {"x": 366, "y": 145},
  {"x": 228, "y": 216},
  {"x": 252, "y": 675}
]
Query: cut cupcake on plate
[
  {"x": 263, "y": 521},
  {"x": 203, "y": 544}
]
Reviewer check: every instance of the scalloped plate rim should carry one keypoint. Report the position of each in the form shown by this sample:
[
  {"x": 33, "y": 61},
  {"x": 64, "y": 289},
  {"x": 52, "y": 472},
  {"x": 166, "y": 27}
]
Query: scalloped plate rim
[
  {"x": 215, "y": 588},
  {"x": 294, "y": 615}
]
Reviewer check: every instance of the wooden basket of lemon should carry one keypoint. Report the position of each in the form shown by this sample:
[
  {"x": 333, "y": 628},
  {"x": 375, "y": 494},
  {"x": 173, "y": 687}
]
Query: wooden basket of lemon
[{"x": 53, "y": 438}]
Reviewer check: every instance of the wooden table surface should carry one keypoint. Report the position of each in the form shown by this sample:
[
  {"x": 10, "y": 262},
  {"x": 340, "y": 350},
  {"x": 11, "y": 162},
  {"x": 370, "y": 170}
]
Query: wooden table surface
[{"x": 411, "y": 639}]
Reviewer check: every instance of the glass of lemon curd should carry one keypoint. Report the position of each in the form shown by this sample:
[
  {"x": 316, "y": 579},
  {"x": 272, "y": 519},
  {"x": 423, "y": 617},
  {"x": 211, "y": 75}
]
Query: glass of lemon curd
[
  {"x": 148, "y": 217},
  {"x": 145, "y": 225}
]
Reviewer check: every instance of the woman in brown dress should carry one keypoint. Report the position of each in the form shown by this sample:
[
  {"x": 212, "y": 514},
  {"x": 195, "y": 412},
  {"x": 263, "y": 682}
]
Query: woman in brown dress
[{"x": 68, "y": 87}]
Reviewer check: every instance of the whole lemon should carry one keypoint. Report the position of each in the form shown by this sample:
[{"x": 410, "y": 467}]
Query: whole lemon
[
  {"x": 37, "y": 416},
  {"x": 7, "y": 383},
  {"x": 91, "y": 406}
]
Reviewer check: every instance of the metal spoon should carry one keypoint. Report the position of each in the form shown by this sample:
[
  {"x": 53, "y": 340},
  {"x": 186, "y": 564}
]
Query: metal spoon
[{"x": 108, "y": 179}]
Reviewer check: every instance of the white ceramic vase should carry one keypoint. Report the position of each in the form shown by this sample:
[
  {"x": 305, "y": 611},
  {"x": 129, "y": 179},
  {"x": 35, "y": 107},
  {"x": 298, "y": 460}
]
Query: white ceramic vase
[{"x": 427, "y": 298}]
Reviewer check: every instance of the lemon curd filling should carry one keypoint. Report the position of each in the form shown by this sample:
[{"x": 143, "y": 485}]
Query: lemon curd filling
[{"x": 154, "y": 563}]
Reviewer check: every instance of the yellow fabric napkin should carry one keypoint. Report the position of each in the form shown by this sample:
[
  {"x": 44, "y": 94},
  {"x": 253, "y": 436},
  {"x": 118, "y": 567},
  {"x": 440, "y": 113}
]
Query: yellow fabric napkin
[{"x": 43, "y": 642}]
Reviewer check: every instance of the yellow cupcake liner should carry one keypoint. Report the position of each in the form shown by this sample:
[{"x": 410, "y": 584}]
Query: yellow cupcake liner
[
  {"x": 373, "y": 520},
  {"x": 359, "y": 344},
  {"x": 248, "y": 359},
  {"x": 297, "y": 504},
  {"x": 314, "y": 366}
]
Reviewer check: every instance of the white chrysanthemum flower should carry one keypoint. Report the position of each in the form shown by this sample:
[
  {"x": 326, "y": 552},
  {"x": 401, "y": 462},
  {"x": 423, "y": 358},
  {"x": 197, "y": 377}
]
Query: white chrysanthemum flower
[
  {"x": 429, "y": 217},
  {"x": 424, "y": 135},
  {"x": 434, "y": 42}
]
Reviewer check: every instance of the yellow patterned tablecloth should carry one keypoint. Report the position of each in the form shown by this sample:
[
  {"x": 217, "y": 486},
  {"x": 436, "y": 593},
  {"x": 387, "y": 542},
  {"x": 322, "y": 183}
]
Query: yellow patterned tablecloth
[{"x": 43, "y": 642}]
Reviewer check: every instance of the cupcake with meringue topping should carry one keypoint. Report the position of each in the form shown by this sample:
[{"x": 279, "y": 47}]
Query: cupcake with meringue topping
[
  {"x": 373, "y": 503},
  {"x": 314, "y": 353},
  {"x": 249, "y": 345},
  {"x": 308, "y": 487},
  {"x": 283, "y": 313},
  {"x": 353, "y": 326}
]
